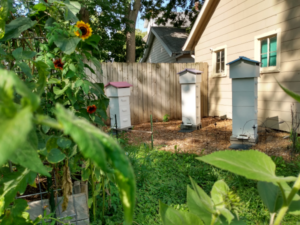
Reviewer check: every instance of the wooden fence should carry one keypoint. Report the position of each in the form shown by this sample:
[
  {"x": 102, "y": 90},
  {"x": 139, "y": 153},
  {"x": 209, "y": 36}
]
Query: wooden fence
[{"x": 156, "y": 89}]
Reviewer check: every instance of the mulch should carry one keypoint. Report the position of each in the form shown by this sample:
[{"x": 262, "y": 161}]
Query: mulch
[{"x": 213, "y": 136}]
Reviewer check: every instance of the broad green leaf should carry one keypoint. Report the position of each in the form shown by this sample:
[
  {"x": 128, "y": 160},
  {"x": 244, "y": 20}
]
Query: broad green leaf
[
  {"x": 16, "y": 27},
  {"x": 71, "y": 96},
  {"x": 203, "y": 197},
  {"x": 43, "y": 73},
  {"x": 40, "y": 7},
  {"x": 2, "y": 52},
  {"x": 25, "y": 68},
  {"x": 270, "y": 195},
  {"x": 15, "y": 182},
  {"x": 28, "y": 157},
  {"x": 294, "y": 207},
  {"x": 3, "y": 15},
  {"x": 17, "y": 214},
  {"x": 172, "y": 216},
  {"x": 64, "y": 142},
  {"x": 72, "y": 8},
  {"x": 251, "y": 164},
  {"x": 45, "y": 128},
  {"x": 86, "y": 86},
  {"x": 197, "y": 207},
  {"x": 98, "y": 146},
  {"x": 218, "y": 193},
  {"x": 19, "y": 54},
  {"x": 54, "y": 81},
  {"x": 55, "y": 156},
  {"x": 14, "y": 133},
  {"x": 97, "y": 64},
  {"x": 51, "y": 143},
  {"x": 86, "y": 174},
  {"x": 66, "y": 44},
  {"x": 10, "y": 80},
  {"x": 59, "y": 92},
  {"x": 2, "y": 203},
  {"x": 290, "y": 93}
]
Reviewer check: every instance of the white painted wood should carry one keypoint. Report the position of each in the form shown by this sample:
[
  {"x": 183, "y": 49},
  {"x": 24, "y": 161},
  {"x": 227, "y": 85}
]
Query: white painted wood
[
  {"x": 119, "y": 106},
  {"x": 190, "y": 98}
]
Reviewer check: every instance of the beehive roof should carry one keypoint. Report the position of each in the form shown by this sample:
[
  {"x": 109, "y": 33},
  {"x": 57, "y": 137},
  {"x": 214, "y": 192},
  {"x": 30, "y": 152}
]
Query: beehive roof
[{"x": 121, "y": 84}]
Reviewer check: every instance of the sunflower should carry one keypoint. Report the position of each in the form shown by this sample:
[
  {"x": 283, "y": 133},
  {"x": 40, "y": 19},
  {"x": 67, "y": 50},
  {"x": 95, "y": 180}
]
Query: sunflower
[
  {"x": 58, "y": 64},
  {"x": 85, "y": 29},
  {"x": 91, "y": 109}
]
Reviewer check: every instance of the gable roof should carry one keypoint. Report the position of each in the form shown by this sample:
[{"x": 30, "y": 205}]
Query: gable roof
[
  {"x": 200, "y": 24},
  {"x": 171, "y": 38}
]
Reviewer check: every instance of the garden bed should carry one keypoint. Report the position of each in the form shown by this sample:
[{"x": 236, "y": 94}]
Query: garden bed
[{"x": 214, "y": 136}]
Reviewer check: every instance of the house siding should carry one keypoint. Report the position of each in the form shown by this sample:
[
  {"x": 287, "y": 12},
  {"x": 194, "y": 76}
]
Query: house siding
[
  {"x": 185, "y": 59},
  {"x": 158, "y": 54},
  {"x": 236, "y": 23}
]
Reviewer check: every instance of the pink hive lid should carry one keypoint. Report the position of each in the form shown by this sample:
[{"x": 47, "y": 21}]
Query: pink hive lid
[{"x": 121, "y": 84}]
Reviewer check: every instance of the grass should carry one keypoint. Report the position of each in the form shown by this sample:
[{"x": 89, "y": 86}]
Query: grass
[{"x": 164, "y": 176}]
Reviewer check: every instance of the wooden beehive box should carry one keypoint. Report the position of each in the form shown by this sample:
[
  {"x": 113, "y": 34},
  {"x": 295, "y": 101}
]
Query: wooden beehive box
[
  {"x": 119, "y": 104},
  {"x": 190, "y": 80},
  {"x": 244, "y": 73}
]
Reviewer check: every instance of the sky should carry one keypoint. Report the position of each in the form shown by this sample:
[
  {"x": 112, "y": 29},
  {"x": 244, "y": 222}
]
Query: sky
[{"x": 140, "y": 23}]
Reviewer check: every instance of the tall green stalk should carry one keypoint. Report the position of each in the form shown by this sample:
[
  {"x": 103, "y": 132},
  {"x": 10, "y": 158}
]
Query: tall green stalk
[
  {"x": 288, "y": 201},
  {"x": 103, "y": 197}
]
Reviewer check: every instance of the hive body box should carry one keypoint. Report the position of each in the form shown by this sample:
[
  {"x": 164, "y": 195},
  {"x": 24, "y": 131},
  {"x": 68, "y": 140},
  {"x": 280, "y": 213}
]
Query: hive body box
[
  {"x": 119, "y": 104},
  {"x": 244, "y": 73},
  {"x": 190, "y": 80}
]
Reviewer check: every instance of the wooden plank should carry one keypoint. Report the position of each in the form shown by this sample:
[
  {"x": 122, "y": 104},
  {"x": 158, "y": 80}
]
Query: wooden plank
[
  {"x": 155, "y": 97},
  {"x": 149, "y": 92},
  {"x": 119, "y": 72},
  {"x": 159, "y": 98},
  {"x": 167, "y": 89},
  {"x": 103, "y": 77},
  {"x": 171, "y": 93},
  {"x": 140, "y": 92},
  {"x": 145, "y": 92},
  {"x": 124, "y": 72},
  {"x": 114, "y": 72},
  {"x": 129, "y": 80},
  {"x": 134, "y": 103}
]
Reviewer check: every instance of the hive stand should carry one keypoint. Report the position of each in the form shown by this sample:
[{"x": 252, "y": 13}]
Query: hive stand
[
  {"x": 244, "y": 73},
  {"x": 119, "y": 104},
  {"x": 190, "y": 80}
]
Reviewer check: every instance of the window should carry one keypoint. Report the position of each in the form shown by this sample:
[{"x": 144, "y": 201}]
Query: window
[
  {"x": 267, "y": 51},
  {"x": 219, "y": 60},
  {"x": 220, "y": 63}
]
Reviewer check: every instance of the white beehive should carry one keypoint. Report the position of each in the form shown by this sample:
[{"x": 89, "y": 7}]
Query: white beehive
[
  {"x": 119, "y": 104},
  {"x": 244, "y": 73},
  {"x": 190, "y": 80}
]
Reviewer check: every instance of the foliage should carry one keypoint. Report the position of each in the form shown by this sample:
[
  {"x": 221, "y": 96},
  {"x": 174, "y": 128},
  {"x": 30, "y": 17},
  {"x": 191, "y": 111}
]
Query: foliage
[
  {"x": 164, "y": 176},
  {"x": 166, "y": 118},
  {"x": 44, "y": 114}
]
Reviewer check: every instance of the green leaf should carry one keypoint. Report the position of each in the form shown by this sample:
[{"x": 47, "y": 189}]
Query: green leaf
[
  {"x": 98, "y": 146},
  {"x": 51, "y": 143},
  {"x": 270, "y": 195},
  {"x": 97, "y": 64},
  {"x": 15, "y": 182},
  {"x": 290, "y": 93},
  {"x": 171, "y": 216},
  {"x": 40, "y": 7},
  {"x": 86, "y": 174},
  {"x": 16, "y": 27},
  {"x": 251, "y": 164},
  {"x": 43, "y": 73},
  {"x": 55, "y": 156},
  {"x": 10, "y": 80},
  {"x": 86, "y": 86},
  {"x": 2, "y": 203},
  {"x": 12, "y": 128},
  {"x": 4, "y": 10},
  {"x": 64, "y": 143},
  {"x": 25, "y": 68},
  {"x": 59, "y": 92},
  {"x": 66, "y": 44},
  {"x": 218, "y": 193},
  {"x": 197, "y": 207},
  {"x": 54, "y": 81},
  {"x": 2, "y": 52},
  {"x": 19, "y": 54},
  {"x": 71, "y": 96},
  {"x": 72, "y": 8},
  {"x": 28, "y": 157},
  {"x": 45, "y": 128}
]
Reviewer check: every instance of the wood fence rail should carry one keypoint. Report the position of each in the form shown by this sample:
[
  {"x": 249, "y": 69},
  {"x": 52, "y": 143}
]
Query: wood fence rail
[{"x": 156, "y": 89}]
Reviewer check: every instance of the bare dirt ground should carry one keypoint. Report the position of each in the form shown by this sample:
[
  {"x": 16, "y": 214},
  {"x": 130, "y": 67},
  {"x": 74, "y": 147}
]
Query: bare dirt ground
[{"x": 213, "y": 136}]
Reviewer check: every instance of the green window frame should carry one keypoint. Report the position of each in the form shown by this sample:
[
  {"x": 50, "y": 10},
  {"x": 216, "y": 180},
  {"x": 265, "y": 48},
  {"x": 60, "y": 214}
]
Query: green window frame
[{"x": 268, "y": 51}]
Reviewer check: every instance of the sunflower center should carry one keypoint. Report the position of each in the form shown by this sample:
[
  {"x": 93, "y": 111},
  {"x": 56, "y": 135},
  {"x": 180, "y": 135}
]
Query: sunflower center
[{"x": 83, "y": 30}]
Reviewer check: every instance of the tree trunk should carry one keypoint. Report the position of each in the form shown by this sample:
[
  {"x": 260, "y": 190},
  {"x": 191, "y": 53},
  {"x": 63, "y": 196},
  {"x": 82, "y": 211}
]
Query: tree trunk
[
  {"x": 130, "y": 35},
  {"x": 84, "y": 15}
]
